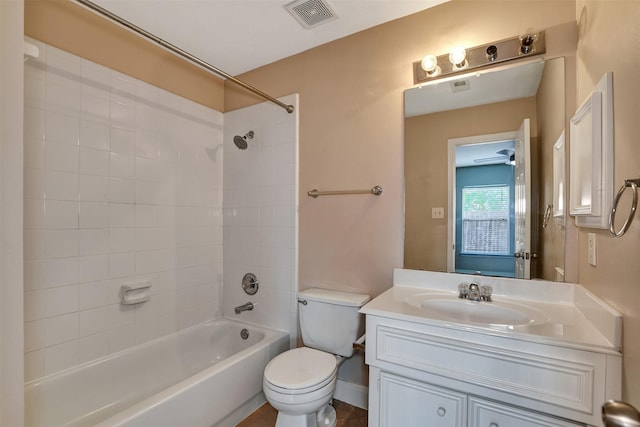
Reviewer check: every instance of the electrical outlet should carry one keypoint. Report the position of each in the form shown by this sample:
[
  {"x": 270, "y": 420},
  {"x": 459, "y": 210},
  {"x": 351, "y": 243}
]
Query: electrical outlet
[
  {"x": 592, "y": 249},
  {"x": 437, "y": 213}
]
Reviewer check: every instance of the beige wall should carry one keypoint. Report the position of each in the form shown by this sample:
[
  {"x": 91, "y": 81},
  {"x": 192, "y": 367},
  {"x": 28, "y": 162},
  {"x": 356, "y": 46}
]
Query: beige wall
[
  {"x": 426, "y": 172},
  {"x": 550, "y": 104},
  {"x": 351, "y": 128},
  {"x": 71, "y": 27},
  {"x": 609, "y": 40}
]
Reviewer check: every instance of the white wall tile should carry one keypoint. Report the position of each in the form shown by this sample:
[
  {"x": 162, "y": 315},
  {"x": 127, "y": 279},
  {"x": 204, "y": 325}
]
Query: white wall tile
[
  {"x": 116, "y": 159},
  {"x": 33, "y": 335},
  {"x": 123, "y": 114},
  {"x": 63, "y": 97},
  {"x": 123, "y": 141},
  {"x": 122, "y": 265},
  {"x": 94, "y": 162},
  {"x": 93, "y": 347},
  {"x": 147, "y": 193},
  {"x": 122, "y": 165},
  {"x": 121, "y": 240},
  {"x": 93, "y": 215},
  {"x": 94, "y": 241},
  {"x": 94, "y": 320},
  {"x": 34, "y": 183},
  {"x": 147, "y": 138},
  {"x": 60, "y": 329},
  {"x": 122, "y": 215},
  {"x": 61, "y": 271},
  {"x": 92, "y": 295},
  {"x": 94, "y": 135},
  {"x": 93, "y": 268},
  {"x": 61, "y": 356},
  {"x": 34, "y": 305},
  {"x": 61, "y": 243},
  {"x": 93, "y": 106},
  {"x": 61, "y": 156},
  {"x": 33, "y": 365},
  {"x": 120, "y": 339},
  {"x": 62, "y": 128},
  {"x": 34, "y": 274},
  {"x": 122, "y": 190},
  {"x": 34, "y": 214},
  {"x": 61, "y": 185},
  {"x": 34, "y": 241},
  {"x": 94, "y": 188}
]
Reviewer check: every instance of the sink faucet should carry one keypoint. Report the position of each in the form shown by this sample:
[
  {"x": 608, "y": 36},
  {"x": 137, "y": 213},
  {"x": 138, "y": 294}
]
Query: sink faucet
[
  {"x": 244, "y": 307},
  {"x": 473, "y": 292}
]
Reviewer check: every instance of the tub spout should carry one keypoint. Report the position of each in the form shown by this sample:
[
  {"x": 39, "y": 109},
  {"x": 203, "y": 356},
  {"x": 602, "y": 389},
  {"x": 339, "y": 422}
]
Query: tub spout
[{"x": 244, "y": 307}]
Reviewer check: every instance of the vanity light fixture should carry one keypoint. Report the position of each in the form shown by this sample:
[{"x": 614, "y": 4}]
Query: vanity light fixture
[
  {"x": 458, "y": 58},
  {"x": 430, "y": 65},
  {"x": 433, "y": 67},
  {"x": 527, "y": 42}
]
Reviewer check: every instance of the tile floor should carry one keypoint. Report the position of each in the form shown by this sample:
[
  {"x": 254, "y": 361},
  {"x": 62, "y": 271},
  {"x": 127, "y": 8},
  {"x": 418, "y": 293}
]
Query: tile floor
[{"x": 347, "y": 416}]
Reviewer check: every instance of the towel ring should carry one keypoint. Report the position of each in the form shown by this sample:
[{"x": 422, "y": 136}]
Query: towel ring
[
  {"x": 547, "y": 216},
  {"x": 633, "y": 183}
]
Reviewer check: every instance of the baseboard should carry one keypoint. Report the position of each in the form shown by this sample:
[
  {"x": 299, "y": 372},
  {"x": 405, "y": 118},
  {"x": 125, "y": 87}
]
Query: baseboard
[{"x": 353, "y": 394}]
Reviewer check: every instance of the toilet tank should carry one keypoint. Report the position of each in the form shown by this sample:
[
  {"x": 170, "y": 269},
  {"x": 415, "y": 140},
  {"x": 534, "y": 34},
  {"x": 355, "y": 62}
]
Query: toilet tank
[{"x": 329, "y": 320}]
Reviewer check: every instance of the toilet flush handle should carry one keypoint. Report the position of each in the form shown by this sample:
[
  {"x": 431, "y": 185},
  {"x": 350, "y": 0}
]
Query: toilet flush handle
[{"x": 302, "y": 301}]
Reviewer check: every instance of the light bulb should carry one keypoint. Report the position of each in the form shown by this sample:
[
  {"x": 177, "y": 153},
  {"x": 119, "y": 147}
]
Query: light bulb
[
  {"x": 430, "y": 64},
  {"x": 527, "y": 42},
  {"x": 457, "y": 57}
]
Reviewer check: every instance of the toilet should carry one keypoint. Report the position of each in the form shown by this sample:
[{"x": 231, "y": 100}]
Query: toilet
[{"x": 299, "y": 383}]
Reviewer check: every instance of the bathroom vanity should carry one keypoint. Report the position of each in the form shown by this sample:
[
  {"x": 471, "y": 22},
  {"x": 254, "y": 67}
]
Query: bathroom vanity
[{"x": 538, "y": 354}]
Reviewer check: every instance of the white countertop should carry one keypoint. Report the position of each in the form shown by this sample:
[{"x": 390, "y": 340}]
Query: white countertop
[{"x": 573, "y": 317}]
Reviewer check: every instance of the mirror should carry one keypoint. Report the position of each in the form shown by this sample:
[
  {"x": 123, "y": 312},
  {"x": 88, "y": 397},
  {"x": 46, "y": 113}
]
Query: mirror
[{"x": 458, "y": 112}]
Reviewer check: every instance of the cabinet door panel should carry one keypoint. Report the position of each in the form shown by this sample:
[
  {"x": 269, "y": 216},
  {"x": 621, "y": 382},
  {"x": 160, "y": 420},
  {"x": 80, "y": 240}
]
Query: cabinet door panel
[
  {"x": 491, "y": 414},
  {"x": 408, "y": 403}
]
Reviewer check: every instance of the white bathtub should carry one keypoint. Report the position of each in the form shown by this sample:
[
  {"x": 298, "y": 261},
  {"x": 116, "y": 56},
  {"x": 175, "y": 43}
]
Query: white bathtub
[{"x": 206, "y": 375}]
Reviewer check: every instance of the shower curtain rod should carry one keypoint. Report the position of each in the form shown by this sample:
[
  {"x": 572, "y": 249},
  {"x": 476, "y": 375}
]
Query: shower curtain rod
[{"x": 101, "y": 11}]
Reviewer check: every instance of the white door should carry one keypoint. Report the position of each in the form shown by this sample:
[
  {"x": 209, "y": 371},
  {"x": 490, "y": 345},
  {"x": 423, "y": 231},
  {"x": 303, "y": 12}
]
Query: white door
[{"x": 522, "y": 248}]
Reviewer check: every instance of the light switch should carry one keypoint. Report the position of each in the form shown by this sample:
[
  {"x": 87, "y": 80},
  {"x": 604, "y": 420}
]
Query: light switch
[
  {"x": 592, "y": 249},
  {"x": 437, "y": 213}
]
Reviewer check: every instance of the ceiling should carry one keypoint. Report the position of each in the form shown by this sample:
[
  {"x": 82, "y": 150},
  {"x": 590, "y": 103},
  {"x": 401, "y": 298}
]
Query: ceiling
[{"x": 241, "y": 35}]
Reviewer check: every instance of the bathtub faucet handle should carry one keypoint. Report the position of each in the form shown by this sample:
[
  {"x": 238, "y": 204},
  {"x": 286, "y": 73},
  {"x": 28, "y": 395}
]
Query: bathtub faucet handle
[{"x": 244, "y": 307}]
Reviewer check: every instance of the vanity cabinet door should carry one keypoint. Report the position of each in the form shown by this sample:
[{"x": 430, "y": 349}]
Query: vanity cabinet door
[
  {"x": 491, "y": 414},
  {"x": 408, "y": 403}
]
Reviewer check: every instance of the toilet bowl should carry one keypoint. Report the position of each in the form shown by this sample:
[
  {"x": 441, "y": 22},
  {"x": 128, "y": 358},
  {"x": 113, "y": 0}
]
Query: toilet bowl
[{"x": 300, "y": 383}]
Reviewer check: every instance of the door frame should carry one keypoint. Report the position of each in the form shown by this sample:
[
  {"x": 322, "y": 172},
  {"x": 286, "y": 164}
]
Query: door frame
[{"x": 452, "y": 144}]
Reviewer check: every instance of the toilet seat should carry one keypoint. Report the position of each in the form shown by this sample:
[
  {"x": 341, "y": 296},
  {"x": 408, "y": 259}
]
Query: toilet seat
[{"x": 301, "y": 370}]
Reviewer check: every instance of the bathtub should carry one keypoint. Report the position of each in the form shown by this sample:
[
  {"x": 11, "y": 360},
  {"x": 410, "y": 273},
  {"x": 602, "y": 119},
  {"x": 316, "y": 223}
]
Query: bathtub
[{"x": 206, "y": 375}]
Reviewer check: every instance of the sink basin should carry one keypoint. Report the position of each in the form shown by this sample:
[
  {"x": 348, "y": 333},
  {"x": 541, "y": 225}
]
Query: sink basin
[{"x": 502, "y": 312}]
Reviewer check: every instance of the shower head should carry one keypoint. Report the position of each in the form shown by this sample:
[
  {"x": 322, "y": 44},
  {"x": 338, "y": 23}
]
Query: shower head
[{"x": 241, "y": 141}]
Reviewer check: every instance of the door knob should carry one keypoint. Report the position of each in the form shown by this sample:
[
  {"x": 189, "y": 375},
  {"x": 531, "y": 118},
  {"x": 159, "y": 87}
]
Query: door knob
[{"x": 620, "y": 414}]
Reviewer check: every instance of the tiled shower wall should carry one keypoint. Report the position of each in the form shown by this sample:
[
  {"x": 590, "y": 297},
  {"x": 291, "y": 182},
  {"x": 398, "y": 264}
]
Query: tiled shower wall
[
  {"x": 123, "y": 182},
  {"x": 261, "y": 213}
]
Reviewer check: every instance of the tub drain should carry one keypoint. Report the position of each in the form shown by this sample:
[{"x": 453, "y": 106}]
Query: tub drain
[{"x": 244, "y": 334}]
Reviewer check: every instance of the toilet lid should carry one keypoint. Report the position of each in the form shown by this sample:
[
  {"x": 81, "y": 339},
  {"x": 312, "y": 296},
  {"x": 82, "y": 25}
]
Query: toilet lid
[{"x": 300, "y": 368}]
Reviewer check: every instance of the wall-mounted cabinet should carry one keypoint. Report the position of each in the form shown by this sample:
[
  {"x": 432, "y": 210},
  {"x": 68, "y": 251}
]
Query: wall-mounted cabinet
[{"x": 591, "y": 157}]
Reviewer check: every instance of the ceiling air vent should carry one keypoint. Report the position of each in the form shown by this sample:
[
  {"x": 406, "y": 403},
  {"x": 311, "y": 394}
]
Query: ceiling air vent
[{"x": 311, "y": 13}]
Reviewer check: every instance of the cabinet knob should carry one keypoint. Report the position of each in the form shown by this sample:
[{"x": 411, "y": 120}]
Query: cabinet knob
[
  {"x": 441, "y": 411},
  {"x": 493, "y": 425}
]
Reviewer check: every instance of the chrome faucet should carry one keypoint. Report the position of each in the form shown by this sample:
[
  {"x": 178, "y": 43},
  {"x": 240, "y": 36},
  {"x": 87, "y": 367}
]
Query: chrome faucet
[
  {"x": 244, "y": 307},
  {"x": 473, "y": 292}
]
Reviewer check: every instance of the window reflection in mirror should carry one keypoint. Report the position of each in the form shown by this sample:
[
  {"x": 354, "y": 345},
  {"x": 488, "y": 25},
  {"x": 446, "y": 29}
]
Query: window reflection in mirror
[{"x": 435, "y": 114}]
